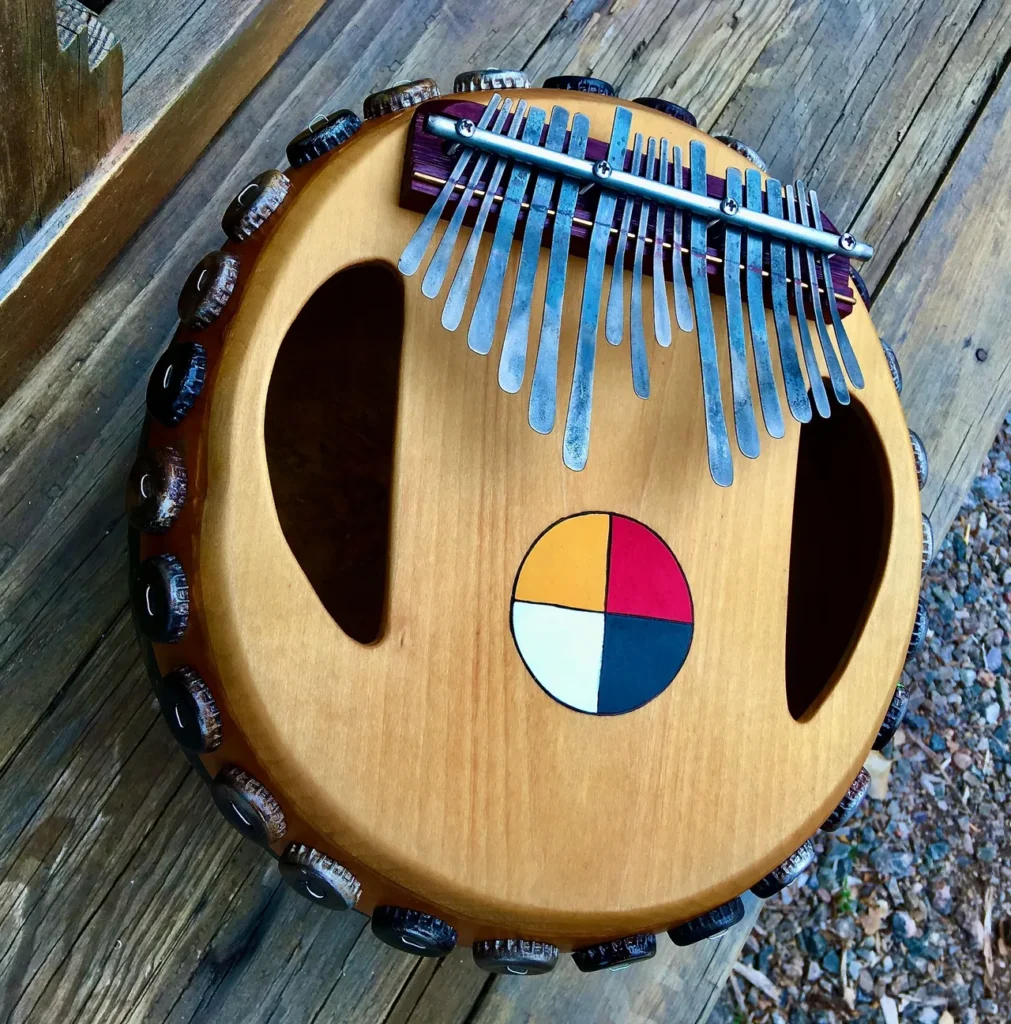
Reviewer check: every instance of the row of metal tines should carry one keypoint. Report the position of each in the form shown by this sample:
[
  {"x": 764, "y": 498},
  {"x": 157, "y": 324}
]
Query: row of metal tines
[{"x": 556, "y": 195}]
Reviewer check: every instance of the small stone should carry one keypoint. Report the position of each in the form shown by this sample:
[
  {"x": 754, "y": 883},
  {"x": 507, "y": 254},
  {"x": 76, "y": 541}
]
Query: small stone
[
  {"x": 928, "y": 1015},
  {"x": 942, "y": 902},
  {"x": 987, "y": 1006},
  {"x": 987, "y": 853},
  {"x": 962, "y": 760},
  {"x": 992, "y": 713},
  {"x": 939, "y": 850},
  {"x": 987, "y": 487},
  {"x": 814, "y": 971},
  {"x": 903, "y": 925},
  {"x": 993, "y": 659},
  {"x": 831, "y": 962},
  {"x": 814, "y": 942}
]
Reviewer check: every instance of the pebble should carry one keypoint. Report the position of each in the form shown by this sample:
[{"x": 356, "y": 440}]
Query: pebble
[
  {"x": 903, "y": 925},
  {"x": 992, "y": 713},
  {"x": 993, "y": 659},
  {"x": 987, "y": 487}
]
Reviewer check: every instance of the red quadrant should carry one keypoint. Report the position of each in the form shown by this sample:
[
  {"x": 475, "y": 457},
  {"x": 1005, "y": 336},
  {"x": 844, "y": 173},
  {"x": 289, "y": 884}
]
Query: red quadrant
[{"x": 644, "y": 578}]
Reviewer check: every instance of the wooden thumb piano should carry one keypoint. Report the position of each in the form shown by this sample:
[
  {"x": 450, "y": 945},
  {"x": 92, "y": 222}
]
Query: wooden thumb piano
[{"x": 449, "y": 661}]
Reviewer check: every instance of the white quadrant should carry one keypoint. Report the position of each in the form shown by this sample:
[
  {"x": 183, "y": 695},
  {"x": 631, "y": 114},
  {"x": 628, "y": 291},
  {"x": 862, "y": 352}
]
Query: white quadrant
[{"x": 562, "y": 648}]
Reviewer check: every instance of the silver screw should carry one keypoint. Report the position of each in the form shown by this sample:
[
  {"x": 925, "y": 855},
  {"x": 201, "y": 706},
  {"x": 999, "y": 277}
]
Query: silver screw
[
  {"x": 730, "y": 206},
  {"x": 602, "y": 170},
  {"x": 465, "y": 128},
  {"x": 847, "y": 241}
]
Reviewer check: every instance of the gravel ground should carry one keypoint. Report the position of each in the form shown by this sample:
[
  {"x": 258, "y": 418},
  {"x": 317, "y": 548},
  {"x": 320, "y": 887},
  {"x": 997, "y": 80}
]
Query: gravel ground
[{"x": 906, "y": 915}]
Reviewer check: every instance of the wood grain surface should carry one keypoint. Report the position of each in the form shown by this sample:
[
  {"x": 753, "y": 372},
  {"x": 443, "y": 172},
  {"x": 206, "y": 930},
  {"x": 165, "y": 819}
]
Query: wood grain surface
[
  {"x": 194, "y": 64},
  {"x": 61, "y": 93},
  {"x": 125, "y": 896}
]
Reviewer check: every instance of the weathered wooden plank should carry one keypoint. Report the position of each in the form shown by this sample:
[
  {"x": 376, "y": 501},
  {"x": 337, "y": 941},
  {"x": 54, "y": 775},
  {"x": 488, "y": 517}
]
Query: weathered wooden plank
[
  {"x": 61, "y": 88},
  {"x": 946, "y": 306},
  {"x": 449, "y": 995},
  {"x": 175, "y": 106},
  {"x": 691, "y": 51},
  {"x": 868, "y": 101}
]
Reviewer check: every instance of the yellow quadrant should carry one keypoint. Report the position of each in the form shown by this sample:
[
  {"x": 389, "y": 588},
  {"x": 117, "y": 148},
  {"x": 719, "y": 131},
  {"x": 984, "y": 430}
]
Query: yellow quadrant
[{"x": 568, "y": 565}]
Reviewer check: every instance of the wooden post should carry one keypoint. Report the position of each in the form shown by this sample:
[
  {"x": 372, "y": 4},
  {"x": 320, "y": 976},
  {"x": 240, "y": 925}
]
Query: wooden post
[{"x": 61, "y": 91}]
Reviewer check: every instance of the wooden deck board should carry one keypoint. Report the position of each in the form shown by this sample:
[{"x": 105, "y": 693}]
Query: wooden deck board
[{"x": 123, "y": 897}]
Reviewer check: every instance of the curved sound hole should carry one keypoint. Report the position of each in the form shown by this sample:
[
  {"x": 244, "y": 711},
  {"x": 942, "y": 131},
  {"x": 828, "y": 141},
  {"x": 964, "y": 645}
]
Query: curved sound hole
[
  {"x": 329, "y": 432},
  {"x": 842, "y": 512}
]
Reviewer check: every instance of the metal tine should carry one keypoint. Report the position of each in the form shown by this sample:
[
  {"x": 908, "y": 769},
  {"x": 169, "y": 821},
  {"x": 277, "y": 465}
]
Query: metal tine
[
  {"x": 416, "y": 248},
  {"x": 793, "y": 377},
  {"x": 543, "y": 390},
  {"x": 835, "y": 373},
  {"x": 682, "y": 305},
  {"x": 456, "y": 301},
  {"x": 744, "y": 410},
  {"x": 817, "y": 385},
  {"x": 772, "y": 411},
  {"x": 849, "y": 357},
  {"x": 482, "y": 324},
  {"x": 661, "y": 308},
  {"x": 614, "y": 319},
  {"x": 636, "y": 326},
  {"x": 721, "y": 465},
  {"x": 431, "y": 284},
  {"x": 576, "y": 443},
  {"x": 513, "y": 362}
]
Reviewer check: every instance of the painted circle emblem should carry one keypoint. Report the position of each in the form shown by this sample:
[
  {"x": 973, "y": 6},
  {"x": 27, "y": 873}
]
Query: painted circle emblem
[{"x": 601, "y": 613}]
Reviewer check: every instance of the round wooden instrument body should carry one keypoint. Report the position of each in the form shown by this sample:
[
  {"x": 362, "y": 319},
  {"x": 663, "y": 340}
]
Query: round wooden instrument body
[{"x": 429, "y": 762}]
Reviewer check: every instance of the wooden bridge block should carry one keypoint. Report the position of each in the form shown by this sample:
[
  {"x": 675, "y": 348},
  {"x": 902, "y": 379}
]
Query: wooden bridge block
[{"x": 61, "y": 94}]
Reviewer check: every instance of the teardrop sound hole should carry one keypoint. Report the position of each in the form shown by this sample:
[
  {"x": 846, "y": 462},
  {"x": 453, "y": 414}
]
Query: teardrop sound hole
[
  {"x": 329, "y": 434},
  {"x": 842, "y": 512}
]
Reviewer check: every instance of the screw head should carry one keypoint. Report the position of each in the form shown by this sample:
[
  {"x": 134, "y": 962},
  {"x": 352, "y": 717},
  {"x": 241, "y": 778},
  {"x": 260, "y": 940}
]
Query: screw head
[
  {"x": 602, "y": 169},
  {"x": 465, "y": 128},
  {"x": 847, "y": 241},
  {"x": 730, "y": 206}
]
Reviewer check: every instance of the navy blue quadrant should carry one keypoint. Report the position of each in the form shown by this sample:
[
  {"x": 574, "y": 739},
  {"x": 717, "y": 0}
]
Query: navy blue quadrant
[{"x": 641, "y": 657}]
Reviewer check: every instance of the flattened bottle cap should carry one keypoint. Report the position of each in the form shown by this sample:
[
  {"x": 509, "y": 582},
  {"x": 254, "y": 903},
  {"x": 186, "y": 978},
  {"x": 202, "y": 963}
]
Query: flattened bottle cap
[
  {"x": 490, "y": 78},
  {"x": 176, "y": 382},
  {"x": 515, "y": 956},
  {"x": 744, "y": 149},
  {"x": 190, "y": 710},
  {"x": 208, "y": 289},
  {"x": 399, "y": 97},
  {"x": 580, "y": 83},
  {"x": 670, "y": 108},
  {"x": 156, "y": 490},
  {"x": 615, "y": 954},
  {"x": 412, "y": 931},
  {"x": 248, "y": 806},
  {"x": 324, "y": 133},
  {"x": 252, "y": 207},
  {"x": 319, "y": 878}
]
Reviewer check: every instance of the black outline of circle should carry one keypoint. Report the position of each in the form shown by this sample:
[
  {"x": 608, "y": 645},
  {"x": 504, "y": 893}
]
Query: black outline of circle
[{"x": 512, "y": 601}]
